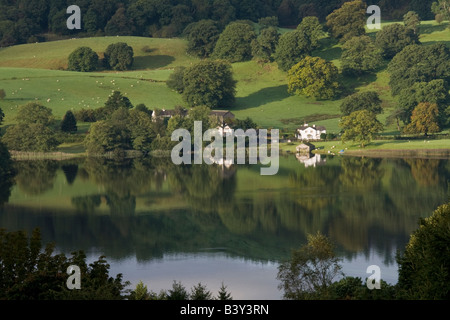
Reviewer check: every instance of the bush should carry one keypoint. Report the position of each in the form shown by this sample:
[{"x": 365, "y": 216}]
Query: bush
[{"x": 83, "y": 59}]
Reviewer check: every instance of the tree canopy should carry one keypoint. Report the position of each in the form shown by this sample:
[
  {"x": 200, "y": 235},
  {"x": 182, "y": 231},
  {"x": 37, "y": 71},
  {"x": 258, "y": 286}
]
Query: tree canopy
[
  {"x": 202, "y": 38},
  {"x": 393, "y": 38},
  {"x": 234, "y": 43},
  {"x": 314, "y": 77},
  {"x": 369, "y": 100},
  {"x": 409, "y": 66},
  {"x": 360, "y": 55},
  {"x": 209, "y": 83},
  {"x": 360, "y": 126},
  {"x": 424, "y": 119},
  {"x": 348, "y": 21},
  {"x": 83, "y": 59},
  {"x": 119, "y": 56}
]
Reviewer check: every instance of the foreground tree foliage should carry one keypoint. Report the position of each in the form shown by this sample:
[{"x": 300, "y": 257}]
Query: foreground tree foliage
[
  {"x": 424, "y": 266},
  {"x": 314, "y": 77},
  {"x": 83, "y": 59},
  {"x": 209, "y": 83},
  {"x": 30, "y": 272},
  {"x": 310, "y": 271},
  {"x": 7, "y": 173}
]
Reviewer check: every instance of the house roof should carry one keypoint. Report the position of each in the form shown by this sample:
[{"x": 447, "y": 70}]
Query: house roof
[
  {"x": 306, "y": 126},
  {"x": 222, "y": 113}
]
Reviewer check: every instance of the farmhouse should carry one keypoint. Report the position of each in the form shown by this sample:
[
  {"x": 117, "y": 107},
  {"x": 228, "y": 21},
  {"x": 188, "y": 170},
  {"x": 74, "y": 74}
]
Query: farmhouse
[{"x": 307, "y": 132}]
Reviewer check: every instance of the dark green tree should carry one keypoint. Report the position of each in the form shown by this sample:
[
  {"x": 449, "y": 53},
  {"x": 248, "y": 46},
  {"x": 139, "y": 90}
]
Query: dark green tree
[
  {"x": 424, "y": 266},
  {"x": 291, "y": 49},
  {"x": 209, "y": 83},
  {"x": 223, "y": 294},
  {"x": 83, "y": 59},
  {"x": 265, "y": 45},
  {"x": 200, "y": 292},
  {"x": 409, "y": 66},
  {"x": 116, "y": 101},
  {"x": 312, "y": 30},
  {"x": 348, "y": 21},
  {"x": 202, "y": 38},
  {"x": 69, "y": 123},
  {"x": 178, "y": 292},
  {"x": 34, "y": 113},
  {"x": 435, "y": 91},
  {"x": 394, "y": 38},
  {"x": 119, "y": 56},
  {"x": 369, "y": 100},
  {"x": 2, "y": 116},
  {"x": 119, "y": 24},
  {"x": 360, "y": 55},
  {"x": 175, "y": 81},
  {"x": 30, "y": 137},
  {"x": 7, "y": 174},
  {"x": 234, "y": 43},
  {"x": 412, "y": 21}
]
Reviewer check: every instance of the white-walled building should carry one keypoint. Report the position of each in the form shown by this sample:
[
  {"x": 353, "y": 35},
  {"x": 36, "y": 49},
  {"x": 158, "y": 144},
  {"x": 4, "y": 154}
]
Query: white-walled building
[{"x": 310, "y": 132}]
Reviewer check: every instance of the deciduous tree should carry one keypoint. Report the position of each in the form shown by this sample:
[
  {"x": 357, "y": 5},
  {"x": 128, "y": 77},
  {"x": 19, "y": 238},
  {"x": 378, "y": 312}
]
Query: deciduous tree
[
  {"x": 209, "y": 83},
  {"x": 424, "y": 119},
  {"x": 360, "y": 126},
  {"x": 393, "y": 38},
  {"x": 314, "y": 77},
  {"x": 348, "y": 21},
  {"x": 119, "y": 56},
  {"x": 83, "y": 59},
  {"x": 310, "y": 271},
  {"x": 369, "y": 100},
  {"x": 360, "y": 55},
  {"x": 234, "y": 43}
]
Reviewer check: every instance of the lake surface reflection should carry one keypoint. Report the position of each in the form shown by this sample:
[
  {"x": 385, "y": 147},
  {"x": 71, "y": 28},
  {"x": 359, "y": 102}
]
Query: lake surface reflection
[{"x": 158, "y": 222}]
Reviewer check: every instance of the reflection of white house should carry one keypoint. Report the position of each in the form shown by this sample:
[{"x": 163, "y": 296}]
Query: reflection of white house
[
  {"x": 310, "y": 162},
  {"x": 307, "y": 132}
]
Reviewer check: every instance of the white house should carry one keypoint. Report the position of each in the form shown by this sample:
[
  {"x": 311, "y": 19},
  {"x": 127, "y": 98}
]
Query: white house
[{"x": 307, "y": 132}]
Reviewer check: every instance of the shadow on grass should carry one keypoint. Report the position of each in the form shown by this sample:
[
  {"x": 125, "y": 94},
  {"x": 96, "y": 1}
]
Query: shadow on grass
[
  {"x": 152, "y": 62},
  {"x": 263, "y": 96},
  {"x": 428, "y": 28}
]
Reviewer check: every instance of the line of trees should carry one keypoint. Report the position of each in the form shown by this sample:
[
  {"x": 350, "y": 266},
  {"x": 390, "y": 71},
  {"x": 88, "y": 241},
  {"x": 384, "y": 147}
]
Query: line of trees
[{"x": 24, "y": 21}]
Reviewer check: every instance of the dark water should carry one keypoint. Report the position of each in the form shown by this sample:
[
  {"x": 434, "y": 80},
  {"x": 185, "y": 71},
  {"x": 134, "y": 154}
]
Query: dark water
[{"x": 158, "y": 222}]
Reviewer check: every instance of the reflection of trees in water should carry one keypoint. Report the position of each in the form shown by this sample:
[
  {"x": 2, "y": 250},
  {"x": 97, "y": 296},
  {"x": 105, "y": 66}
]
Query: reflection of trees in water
[
  {"x": 35, "y": 177},
  {"x": 7, "y": 173},
  {"x": 70, "y": 171},
  {"x": 360, "y": 203},
  {"x": 425, "y": 171}
]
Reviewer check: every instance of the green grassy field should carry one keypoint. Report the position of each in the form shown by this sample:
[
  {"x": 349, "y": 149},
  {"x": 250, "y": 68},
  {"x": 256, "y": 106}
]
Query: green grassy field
[{"x": 35, "y": 72}]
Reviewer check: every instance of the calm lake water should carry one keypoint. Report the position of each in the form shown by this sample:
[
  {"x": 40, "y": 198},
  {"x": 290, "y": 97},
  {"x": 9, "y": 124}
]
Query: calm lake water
[{"x": 158, "y": 222}]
